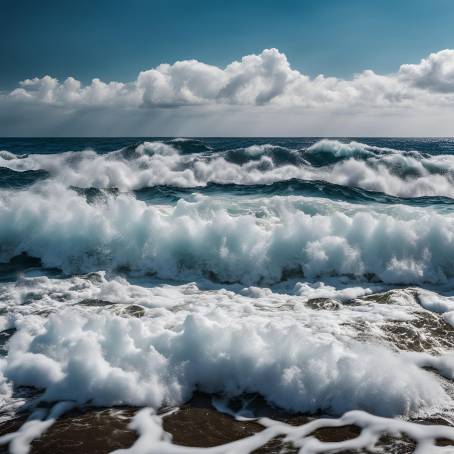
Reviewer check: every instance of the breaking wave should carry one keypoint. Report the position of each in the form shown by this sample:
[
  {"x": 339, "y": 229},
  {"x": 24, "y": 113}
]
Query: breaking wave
[
  {"x": 255, "y": 241},
  {"x": 190, "y": 164}
]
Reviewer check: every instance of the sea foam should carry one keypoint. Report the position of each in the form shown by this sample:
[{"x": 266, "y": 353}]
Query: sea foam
[
  {"x": 261, "y": 241},
  {"x": 405, "y": 174},
  {"x": 78, "y": 341},
  {"x": 109, "y": 360}
]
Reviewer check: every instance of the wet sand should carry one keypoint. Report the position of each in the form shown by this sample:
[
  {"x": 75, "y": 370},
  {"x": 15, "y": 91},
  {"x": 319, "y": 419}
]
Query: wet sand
[{"x": 197, "y": 424}]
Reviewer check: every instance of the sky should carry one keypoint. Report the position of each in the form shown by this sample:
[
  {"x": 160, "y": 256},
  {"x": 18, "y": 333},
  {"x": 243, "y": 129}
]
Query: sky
[{"x": 227, "y": 67}]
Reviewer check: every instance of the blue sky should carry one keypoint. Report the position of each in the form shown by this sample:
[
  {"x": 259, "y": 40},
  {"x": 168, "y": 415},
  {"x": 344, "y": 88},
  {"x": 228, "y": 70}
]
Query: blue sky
[{"x": 114, "y": 40}]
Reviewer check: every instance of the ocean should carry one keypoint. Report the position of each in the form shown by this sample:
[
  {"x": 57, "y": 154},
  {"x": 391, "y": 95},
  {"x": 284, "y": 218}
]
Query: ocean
[{"x": 306, "y": 282}]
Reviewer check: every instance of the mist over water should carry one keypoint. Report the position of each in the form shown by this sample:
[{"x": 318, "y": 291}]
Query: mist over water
[{"x": 139, "y": 271}]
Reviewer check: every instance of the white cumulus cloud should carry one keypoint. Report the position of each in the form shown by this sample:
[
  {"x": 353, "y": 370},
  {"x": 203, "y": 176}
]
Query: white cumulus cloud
[
  {"x": 264, "y": 81},
  {"x": 434, "y": 73}
]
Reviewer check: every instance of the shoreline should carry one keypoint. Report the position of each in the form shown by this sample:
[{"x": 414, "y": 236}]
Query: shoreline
[{"x": 196, "y": 424}]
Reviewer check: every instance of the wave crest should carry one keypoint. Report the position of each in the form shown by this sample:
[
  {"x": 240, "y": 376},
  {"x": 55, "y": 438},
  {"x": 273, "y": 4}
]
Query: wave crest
[
  {"x": 149, "y": 164},
  {"x": 258, "y": 242}
]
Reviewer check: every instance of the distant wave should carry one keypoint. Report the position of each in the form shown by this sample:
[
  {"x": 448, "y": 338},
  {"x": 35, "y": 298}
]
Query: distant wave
[
  {"x": 189, "y": 164},
  {"x": 251, "y": 242}
]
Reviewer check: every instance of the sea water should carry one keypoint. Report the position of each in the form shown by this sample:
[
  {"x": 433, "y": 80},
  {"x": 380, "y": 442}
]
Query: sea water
[{"x": 315, "y": 273}]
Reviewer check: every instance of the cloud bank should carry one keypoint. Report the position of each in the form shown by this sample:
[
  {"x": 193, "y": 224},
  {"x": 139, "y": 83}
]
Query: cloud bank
[{"x": 200, "y": 99}]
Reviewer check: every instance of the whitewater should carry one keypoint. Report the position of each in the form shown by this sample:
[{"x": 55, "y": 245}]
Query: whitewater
[{"x": 310, "y": 277}]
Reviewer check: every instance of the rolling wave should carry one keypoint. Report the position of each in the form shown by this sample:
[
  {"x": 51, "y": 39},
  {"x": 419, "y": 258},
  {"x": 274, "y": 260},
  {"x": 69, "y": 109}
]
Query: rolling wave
[
  {"x": 398, "y": 173},
  {"x": 293, "y": 187}
]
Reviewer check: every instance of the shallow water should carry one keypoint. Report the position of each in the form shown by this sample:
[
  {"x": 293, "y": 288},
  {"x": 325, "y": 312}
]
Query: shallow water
[{"x": 315, "y": 274}]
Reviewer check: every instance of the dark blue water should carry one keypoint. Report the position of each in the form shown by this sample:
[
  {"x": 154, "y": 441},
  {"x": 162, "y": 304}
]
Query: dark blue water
[
  {"x": 106, "y": 144},
  {"x": 282, "y": 153}
]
